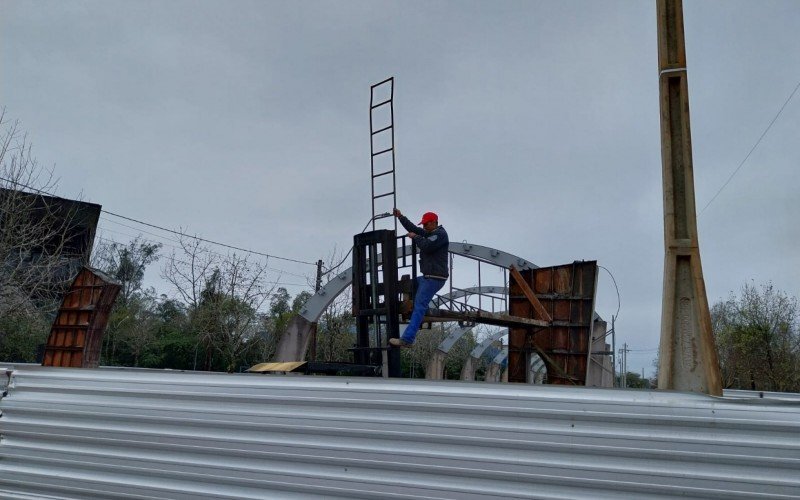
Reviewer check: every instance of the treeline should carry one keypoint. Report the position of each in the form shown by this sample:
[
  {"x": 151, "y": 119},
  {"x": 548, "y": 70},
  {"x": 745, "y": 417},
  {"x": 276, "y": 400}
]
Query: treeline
[
  {"x": 758, "y": 339},
  {"x": 223, "y": 315}
]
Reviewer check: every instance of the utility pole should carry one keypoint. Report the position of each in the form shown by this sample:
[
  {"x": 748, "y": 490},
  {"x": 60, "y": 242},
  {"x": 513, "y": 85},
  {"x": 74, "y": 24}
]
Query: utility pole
[
  {"x": 613, "y": 349},
  {"x": 623, "y": 365},
  {"x": 688, "y": 354},
  {"x": 312, "y": 354}
]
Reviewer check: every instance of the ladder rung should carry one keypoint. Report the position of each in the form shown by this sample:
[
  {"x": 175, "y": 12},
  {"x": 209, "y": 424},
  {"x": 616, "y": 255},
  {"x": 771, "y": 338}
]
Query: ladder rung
[
  {"x": 382, "y": 195},
  {"x": 387, "y": 101},
  {"x": 381, "y": 152},
  {"x": 381, "y": 130},
  {"x": 383, "y": 173},
  {"x": 381, "y": 83}
]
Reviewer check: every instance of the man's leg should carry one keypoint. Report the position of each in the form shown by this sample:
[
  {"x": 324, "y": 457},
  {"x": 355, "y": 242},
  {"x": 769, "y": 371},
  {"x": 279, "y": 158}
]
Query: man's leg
[{"x": 426, "y": 289}]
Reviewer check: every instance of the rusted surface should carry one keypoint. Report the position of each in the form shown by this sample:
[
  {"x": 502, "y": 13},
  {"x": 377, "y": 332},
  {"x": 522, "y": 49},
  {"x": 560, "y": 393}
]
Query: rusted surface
[
  {"x": 77, "y": 333},
  {"x": 541, "y": 312},
  {"x": 567, "y": 293}
]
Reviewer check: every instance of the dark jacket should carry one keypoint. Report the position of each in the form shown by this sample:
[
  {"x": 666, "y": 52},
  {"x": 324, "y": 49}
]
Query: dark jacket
[{"x": 432, "y": 249}]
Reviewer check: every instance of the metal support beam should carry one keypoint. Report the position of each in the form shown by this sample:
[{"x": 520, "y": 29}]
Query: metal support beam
[{"x": 688, "y": 358}]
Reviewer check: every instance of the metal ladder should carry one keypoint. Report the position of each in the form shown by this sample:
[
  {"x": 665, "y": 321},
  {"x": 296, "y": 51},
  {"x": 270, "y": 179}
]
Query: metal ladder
[{"x": 382, "y": 155}]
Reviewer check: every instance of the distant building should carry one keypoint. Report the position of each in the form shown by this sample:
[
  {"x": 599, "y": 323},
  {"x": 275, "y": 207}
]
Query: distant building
[{"x": 36, "y": 227}]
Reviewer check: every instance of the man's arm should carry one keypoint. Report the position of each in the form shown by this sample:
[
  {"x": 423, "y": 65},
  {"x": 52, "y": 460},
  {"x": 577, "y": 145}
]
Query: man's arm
[{"x": 410, "y": 226}]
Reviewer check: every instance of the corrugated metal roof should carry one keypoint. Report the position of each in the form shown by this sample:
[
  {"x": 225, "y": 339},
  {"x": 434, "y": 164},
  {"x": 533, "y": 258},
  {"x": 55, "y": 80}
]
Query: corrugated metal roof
[{"x": 106, "y": 433}]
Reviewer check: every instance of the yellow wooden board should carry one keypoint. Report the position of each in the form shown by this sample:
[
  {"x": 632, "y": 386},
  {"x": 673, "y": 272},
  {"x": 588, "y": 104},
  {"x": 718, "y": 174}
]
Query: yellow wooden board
[{"x": 287, "y": 366}]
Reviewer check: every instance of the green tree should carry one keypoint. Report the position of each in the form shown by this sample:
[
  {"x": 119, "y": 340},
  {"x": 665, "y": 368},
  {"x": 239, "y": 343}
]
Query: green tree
[
  {"x": 21, "y": 335},
  {"x": 635, "y": 381},
  {"x": 175, "y": 345},
  {"x": 336, "y": 330},
  {"x": 223, "y": 295},
  {"x": 757, "y": 339},
  {"x": 133, "y": 320}
]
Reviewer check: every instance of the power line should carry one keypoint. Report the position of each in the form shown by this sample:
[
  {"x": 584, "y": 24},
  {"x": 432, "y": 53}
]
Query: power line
[
  {"x": 107, "y": 240},
  {"x": 254, "y": 252},
  {"x": 753, "y": 148},
  {"x": 332, "y": 269},
  {"x": 112, "y": 221},
  {"x": 619, "y": 303},
  {"x": 281, "y": 271}
]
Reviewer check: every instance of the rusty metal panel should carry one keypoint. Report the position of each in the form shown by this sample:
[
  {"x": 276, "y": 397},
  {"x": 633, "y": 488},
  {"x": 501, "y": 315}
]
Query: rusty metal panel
[
  {"x": 77, "y": 332},
  {"x": 567, "y": 293}
]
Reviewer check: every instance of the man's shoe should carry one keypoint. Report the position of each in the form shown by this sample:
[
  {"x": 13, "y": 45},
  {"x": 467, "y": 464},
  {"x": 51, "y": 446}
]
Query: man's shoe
[{"x": 399, "y": 343}]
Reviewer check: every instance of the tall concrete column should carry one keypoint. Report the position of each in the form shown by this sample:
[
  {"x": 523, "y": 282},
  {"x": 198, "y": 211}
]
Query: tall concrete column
[{"x": 688, "y": 357}]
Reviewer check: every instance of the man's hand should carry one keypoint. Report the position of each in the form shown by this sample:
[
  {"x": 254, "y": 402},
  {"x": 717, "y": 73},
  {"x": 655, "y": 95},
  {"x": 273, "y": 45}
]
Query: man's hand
[
  {"x": 397, "y": 213},
  {"x": 412, "y": 235}
]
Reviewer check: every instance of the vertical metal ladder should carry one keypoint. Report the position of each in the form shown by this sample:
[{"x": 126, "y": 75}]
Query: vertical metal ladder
[{"x": 382, "y": 131}]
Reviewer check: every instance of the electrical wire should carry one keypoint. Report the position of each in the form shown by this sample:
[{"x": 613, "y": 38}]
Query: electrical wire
[
  {"x": 619, "y": 303},
  {"x": 254, "y": 252},
  {"x": 379, "y": 216},
  {"x": 280, "y": 271},
  {"x": 111, "y": 241},
  {"x": 753, "y": 148}
]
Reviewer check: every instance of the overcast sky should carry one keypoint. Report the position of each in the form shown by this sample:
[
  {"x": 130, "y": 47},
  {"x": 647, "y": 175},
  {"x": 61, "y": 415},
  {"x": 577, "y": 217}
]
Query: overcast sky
[{"x": 531, "y": 127}]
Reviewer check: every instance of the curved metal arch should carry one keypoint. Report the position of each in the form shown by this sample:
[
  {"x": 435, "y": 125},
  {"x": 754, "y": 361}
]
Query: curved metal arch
[
  {"x": 480, "y": 348},
  {"x": 435, "y": 368},
  {"x": 494, "y": 372},
  {"x": 317, "y": 303},
  {"x": 294, "y": 342},
  {"x": 537, "y": 368},
  {"x": 471, "y": 363}
]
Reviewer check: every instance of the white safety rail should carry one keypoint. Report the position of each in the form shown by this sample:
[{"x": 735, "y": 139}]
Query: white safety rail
[{"x": 115, "y": 433}]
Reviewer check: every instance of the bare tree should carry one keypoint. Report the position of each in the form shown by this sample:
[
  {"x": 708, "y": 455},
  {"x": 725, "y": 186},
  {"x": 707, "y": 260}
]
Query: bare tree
[
  {"x": 336, "y": 330},
  {"x": 336, "y": 326},
  {"x": 36, "y": 230},
  {"x": 224, "y": 295},
  {"x": 43, "y": 242}
]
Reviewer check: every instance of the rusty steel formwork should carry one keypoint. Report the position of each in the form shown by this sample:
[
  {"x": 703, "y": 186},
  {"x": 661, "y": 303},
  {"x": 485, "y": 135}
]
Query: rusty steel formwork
[
  {"x": 567, "y": 293},
  {"x": 77, "y": 333}
]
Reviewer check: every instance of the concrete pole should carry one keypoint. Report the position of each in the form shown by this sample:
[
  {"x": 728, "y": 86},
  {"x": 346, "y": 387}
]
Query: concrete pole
[{"x": 688, "y": 359}]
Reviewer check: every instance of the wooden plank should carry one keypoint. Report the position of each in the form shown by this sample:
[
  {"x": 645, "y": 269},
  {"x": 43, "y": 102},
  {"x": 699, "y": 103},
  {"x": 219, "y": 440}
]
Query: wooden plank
[
  {"x": 526, "y": 289},
  {"x": 483, "y": 317},
  {"x": 287, "y": 366}
]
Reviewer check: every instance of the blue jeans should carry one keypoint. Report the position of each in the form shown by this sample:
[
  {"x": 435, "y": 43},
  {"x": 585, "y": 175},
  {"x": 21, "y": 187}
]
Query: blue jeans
[{"x": 426, "y": 289}]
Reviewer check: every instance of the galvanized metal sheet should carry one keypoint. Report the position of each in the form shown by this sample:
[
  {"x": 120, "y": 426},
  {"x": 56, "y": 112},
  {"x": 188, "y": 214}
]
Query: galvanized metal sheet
[{"x": 109, "y": 433}]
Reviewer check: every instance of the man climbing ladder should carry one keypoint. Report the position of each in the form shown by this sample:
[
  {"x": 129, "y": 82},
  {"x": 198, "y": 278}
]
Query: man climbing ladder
[{"x": 433, "y": 243}]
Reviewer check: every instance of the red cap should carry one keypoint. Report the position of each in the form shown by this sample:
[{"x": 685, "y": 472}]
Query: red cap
[{"x": 428, "y": 217}]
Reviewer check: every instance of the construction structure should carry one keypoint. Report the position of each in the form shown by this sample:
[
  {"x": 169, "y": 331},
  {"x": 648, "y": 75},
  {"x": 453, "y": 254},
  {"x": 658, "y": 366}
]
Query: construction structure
[
  {"x": 549, "y": 311},
  {"x": 76, "y": 336},
  {"x": 137, "y": 433}
]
